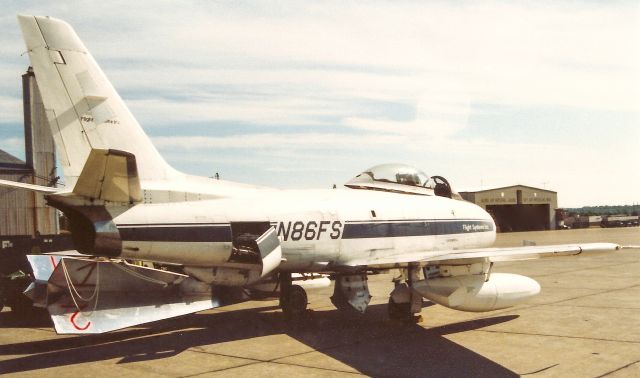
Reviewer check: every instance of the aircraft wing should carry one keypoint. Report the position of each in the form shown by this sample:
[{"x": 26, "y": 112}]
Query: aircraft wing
[
  {"x": 468, "y": 256},
  {"x": 32, "y": 187}
]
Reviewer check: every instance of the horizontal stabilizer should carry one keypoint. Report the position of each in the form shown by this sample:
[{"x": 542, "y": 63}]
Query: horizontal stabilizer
[
  {"x": 86, "y": 296},
  {"x": 43, "y": 266},
  {"x": 31, "y": 187}
]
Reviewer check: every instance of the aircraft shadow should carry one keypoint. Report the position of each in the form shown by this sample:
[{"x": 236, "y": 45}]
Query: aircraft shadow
[{"x": 370, "y": 344}]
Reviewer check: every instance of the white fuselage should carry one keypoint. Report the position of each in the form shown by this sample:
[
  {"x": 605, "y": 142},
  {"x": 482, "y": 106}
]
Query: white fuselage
[{"x": 316, "y": 228}]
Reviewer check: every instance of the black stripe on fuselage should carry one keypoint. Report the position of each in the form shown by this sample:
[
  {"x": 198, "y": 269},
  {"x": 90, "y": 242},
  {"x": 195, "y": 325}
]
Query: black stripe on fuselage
[
  {"x": 390, "y": 229},
  {"x": 184, "y": 232}
]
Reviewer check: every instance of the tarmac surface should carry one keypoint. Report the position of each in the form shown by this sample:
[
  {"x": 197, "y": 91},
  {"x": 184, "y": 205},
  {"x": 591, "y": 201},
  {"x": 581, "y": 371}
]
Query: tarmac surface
[{"x": 586, "y": 322}]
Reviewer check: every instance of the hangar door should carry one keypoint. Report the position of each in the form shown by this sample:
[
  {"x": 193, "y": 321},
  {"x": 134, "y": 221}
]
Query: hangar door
[{"x": 510, "y": 218}]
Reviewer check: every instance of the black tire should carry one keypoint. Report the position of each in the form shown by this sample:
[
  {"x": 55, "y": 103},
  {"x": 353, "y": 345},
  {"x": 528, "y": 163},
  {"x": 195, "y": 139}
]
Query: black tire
[
  {"x": 340, "y": 303},
  {"x": 294, "y": 302},
  {"x": 3, "y": 297},
  {"x": 399, "y": 311},
  {"x": 21, "y": 307}
]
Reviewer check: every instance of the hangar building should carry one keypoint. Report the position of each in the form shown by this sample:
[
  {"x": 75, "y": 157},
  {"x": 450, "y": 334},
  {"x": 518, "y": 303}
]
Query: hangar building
[
  {"x": 517, "y": 207},
  {"x": 27, "y": 225}
]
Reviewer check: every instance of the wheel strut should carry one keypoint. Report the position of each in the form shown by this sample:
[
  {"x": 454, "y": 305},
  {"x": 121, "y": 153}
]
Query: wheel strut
[
  {"x": 293, "y": 298},
  {"x": 404, "y": 303}
]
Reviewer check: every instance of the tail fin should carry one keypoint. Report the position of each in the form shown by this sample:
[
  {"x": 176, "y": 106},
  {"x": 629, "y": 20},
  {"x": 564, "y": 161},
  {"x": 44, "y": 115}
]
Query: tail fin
[{"x": 84, "y": 110}]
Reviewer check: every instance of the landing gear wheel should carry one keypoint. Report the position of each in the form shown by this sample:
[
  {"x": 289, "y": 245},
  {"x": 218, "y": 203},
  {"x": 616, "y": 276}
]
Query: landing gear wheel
[
  {"x": 21, "y": 307},
  {"x": 399, "y": 311},
  {"x": 3, "y": 298},
  {"x": 294, "y": 301},
  {"x": 341, "y": 304}
]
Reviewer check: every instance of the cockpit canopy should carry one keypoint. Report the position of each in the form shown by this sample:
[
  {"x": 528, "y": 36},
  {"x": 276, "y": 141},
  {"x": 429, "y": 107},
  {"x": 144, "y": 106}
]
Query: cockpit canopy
[{"x": 401, "y": 178}]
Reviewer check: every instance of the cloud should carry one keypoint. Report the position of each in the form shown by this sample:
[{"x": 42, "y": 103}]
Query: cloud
[
  {"x": 299, "y": 141},
  {"x": 13, "y": 143},
  {"x": 541, "y": 54},
  {"x": 264, "y": 111},
  {"x": 398, "y": 80},
  {"x": 11, "y": 109},
  {"x": 13, "y": 146}
]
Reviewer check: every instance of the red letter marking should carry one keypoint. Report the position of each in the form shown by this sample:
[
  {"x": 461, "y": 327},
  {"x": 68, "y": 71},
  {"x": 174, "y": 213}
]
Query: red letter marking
[{"x": 73, "y": 322}]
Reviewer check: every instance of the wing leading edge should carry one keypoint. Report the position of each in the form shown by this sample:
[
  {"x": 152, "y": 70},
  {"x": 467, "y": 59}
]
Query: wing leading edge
[{"x": 467, "y": 256}]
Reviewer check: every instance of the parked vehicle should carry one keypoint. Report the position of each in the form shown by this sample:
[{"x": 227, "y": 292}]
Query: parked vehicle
[
  {"x": 15, "y": 271},
  {"x": 620, "y": 221}
]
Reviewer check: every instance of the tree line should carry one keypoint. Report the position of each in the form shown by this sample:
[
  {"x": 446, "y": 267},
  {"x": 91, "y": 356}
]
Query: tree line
[{"x": 605, "y": 210}]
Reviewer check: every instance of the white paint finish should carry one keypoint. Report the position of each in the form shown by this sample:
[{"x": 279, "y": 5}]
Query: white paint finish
[
  {"x": 62, "y": 94},
  {"x": 191, "y": 253},
  {"x": 473, "y": 293},
  {"x": 270, "y": 252},
  {"x": 290, "y": 206}
]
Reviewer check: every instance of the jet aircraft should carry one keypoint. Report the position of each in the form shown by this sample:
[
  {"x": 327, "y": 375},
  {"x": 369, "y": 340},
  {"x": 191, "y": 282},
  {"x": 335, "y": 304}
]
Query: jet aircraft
[{"x": 213, "y": 242}]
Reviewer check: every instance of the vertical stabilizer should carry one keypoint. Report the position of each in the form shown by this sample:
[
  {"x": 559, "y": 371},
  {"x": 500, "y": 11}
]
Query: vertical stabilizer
[{"x": 82, "y": 107}]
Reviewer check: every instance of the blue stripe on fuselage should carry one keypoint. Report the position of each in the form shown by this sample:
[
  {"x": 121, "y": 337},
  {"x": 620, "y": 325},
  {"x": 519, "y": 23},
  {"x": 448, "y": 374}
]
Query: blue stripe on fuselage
[
  {"x": 221, "y": 233},
  {"x": 384, "y": 229},
  {"x": 199, "y": 233}
]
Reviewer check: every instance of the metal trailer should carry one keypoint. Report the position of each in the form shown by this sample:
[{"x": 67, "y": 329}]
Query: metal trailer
[
  {"x": 15, "y": 271},
  {"x": 620, "y": 221}
]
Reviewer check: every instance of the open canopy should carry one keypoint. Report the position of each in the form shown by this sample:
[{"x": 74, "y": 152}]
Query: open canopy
[{"x": 393, "y": 177}]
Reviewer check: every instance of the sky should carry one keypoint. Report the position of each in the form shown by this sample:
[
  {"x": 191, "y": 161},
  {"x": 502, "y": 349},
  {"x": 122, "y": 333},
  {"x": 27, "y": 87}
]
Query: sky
[{"x": 308, "y": 94}]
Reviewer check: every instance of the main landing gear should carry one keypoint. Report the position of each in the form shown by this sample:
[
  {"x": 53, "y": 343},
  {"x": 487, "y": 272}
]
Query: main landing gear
[
  {"x": 293, "y": 298},
  {"x": 399, "y": 311},
  {"x": 405, "y": 304},
  {"x": 351, "y": 293}
]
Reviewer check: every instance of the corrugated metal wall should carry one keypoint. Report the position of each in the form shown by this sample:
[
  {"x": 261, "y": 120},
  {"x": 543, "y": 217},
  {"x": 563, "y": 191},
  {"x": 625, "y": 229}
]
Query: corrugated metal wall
[
  {"x": 24, "y": 212},
  {"x": 16, "y": 207}
]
